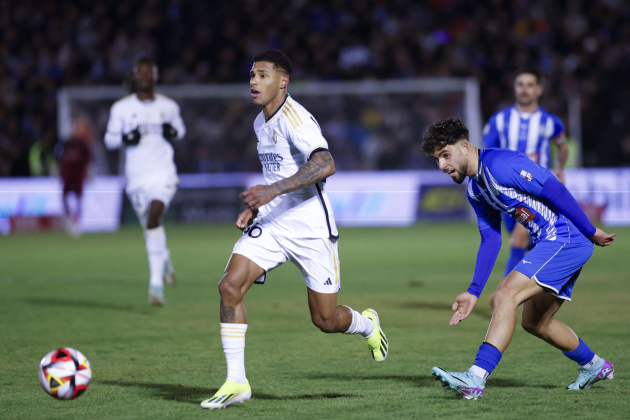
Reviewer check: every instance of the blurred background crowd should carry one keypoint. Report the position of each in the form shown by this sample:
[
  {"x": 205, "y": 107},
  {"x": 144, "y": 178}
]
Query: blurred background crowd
[{"x": 582, "y": 47}]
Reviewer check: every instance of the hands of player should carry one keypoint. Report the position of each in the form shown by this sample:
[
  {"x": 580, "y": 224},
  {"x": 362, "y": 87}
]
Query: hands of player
[
  {"x": 168, "y": 132},
  {"x": 559, "y": 174},
  {"x": 259, "y": 196},
  {"x": 602, "y": 238},
  {"x": 246, "y": 218},
  {"x": 132, "y": 138},
  {"x": 463, "y": 305}
]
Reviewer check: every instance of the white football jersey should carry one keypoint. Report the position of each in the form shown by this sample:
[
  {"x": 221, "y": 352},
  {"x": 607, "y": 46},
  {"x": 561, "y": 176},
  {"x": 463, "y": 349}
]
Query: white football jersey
[
  {"x": 286, "y": 141},
  {"x": 151, "y": 159}
]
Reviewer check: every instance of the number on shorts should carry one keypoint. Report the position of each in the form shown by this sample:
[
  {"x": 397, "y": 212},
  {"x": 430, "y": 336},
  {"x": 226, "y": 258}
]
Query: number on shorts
[{"x": 253, "y": 231}]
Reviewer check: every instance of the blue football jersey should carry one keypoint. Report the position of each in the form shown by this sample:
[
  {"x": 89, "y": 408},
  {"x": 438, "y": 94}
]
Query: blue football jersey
[
  {"x": 511, "y": 183},
  {"x": 526, "y": 133}
]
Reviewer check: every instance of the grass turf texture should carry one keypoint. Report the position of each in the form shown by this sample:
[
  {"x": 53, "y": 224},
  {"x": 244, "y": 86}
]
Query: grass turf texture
[{"x": 91, "y": 294}]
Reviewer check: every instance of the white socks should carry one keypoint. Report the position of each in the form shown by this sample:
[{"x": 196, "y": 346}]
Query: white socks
[
  {"x": 233, "y": 340},
  {"x": 156, "y": 249},
  {"x": 360, "y": 324},
  {"x": 591, "y": 363},
  {"x": 482, "y": 373}
]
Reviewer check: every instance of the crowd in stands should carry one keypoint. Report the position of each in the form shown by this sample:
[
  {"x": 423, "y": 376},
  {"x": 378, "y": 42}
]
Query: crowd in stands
[{"x": 582, "y": 47}]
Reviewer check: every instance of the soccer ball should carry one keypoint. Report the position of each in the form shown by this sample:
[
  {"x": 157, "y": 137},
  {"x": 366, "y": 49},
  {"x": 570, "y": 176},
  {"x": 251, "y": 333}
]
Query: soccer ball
[{"x": 65, "y": 373}]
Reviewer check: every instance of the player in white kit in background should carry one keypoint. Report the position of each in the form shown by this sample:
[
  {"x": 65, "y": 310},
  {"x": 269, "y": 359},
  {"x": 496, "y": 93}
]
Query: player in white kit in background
[
  {"x": 289, "y": 219},
  {"x": 145, "y": 123}
]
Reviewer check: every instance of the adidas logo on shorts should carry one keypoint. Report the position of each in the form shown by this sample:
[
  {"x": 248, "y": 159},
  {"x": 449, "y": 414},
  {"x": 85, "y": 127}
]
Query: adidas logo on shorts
[{"x": 328, "y": 282}]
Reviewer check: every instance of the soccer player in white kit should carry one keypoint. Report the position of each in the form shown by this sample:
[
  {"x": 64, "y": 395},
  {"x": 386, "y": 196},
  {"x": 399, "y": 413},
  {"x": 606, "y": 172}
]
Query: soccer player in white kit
[
  {"x": 145, "y": 123},
  {"x": 289, "y": 219}
]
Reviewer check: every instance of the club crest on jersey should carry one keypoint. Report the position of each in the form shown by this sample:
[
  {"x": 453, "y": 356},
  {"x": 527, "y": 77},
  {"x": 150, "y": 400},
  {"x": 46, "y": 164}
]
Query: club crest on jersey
[
  {"x": 527, "y": 175},
  {"x": 274, "y": 138}
]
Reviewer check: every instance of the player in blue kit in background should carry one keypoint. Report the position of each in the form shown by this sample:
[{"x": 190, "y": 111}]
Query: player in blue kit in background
[
  {"x": 527, "y": 128},
  {"x": 508, "y": 182}
]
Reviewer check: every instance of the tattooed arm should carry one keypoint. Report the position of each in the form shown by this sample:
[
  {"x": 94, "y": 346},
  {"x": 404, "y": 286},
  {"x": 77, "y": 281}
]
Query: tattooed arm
[{"x": 318, "y": 168}]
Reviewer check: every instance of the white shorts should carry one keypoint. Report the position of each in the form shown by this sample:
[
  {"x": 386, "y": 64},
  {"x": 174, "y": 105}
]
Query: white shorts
[
  {"x": 316, "y": 258},
  {"x": 141, "y": 196}
]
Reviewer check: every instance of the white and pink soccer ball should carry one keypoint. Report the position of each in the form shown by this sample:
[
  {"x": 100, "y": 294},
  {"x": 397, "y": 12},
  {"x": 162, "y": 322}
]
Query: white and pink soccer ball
[{"x": 65, "y": 373}]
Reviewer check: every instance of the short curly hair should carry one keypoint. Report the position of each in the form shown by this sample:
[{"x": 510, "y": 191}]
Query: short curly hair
[{"x": 444, "y": 132}]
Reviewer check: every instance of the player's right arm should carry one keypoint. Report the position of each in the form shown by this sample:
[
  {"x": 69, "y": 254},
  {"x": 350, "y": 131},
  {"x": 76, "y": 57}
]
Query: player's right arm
[
  {"x": 491, "y": 134},
  {"x": 113, "y": 135},
  {"x": 246, "y": 218},
  {"x": 489, "y": 221}
]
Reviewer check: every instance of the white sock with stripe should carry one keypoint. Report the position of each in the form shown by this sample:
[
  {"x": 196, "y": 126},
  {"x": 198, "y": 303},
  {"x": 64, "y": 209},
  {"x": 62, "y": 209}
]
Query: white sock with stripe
[
  {"x": 233, "y": 340},
  {"x": 360, "y": 324}
]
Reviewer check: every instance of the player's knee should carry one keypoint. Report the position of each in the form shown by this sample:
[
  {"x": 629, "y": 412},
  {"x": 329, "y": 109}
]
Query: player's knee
[
  {"x": 325, "y": 325},
  {"x": 229, "y": 290},
  {"x": 153, "y": 222},
  {"x": 532, "y": 327},
  {"x": 502, "y": 297}
]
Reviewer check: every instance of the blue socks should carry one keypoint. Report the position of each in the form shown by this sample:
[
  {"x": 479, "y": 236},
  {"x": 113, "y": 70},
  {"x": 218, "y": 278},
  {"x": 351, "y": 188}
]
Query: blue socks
[
  {"x": 516, "y": 255},
  {"x": 582, "y": 355},
  {"x": 488, "y": 357}
]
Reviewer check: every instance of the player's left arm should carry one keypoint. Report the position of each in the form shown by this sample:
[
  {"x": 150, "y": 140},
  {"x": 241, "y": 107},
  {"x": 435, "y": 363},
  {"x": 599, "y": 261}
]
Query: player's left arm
[
  {"x": 174, "y": 128},
  {"x": 308, "y": 139},
  {"x": 558, "y": 195},
  {"x": 318, "y": 168},
  {"x": 559, "y": 137},
  {"x": 532, "y": 178}
]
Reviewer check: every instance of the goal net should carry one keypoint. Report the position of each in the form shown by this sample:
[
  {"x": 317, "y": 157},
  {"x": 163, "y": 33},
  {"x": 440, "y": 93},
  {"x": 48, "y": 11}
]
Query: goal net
[{"x": 370, "y": 125}]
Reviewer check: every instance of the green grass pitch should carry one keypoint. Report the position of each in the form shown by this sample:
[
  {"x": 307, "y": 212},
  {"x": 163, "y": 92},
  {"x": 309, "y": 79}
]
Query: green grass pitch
[{"x": 91, "y": 294}]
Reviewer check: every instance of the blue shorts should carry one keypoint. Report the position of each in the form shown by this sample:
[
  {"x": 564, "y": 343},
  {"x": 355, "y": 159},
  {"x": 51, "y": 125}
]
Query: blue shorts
[{"x": 555, "y": 265}]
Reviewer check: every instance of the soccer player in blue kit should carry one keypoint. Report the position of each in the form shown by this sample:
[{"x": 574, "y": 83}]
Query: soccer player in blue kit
[
  {"x": 526, "y": 127},
  {"x": 505, "y": 181}
]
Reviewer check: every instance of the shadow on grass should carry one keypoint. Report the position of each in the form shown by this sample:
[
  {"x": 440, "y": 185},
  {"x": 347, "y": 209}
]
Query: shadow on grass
[
  {"x": 436, "y": 306},
  {"x": 195, "y": 394},
  {"x": 425, "y": 381},
  {"x": 418, "y": 380},
  {"x": 512, "y": 383},
  {"x": 89, "y": 305}
]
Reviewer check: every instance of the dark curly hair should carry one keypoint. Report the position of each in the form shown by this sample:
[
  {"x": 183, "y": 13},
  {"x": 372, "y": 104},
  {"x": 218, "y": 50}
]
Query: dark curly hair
[
  {"x": 444, "y": 132},
  {"x": 279, "y": 60}
]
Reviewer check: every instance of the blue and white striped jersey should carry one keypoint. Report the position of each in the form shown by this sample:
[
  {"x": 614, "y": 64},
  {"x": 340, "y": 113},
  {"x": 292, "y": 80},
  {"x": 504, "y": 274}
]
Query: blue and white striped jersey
[
  {"x": 526, "y": 133},
  {"x": 508, "y": 182}
]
